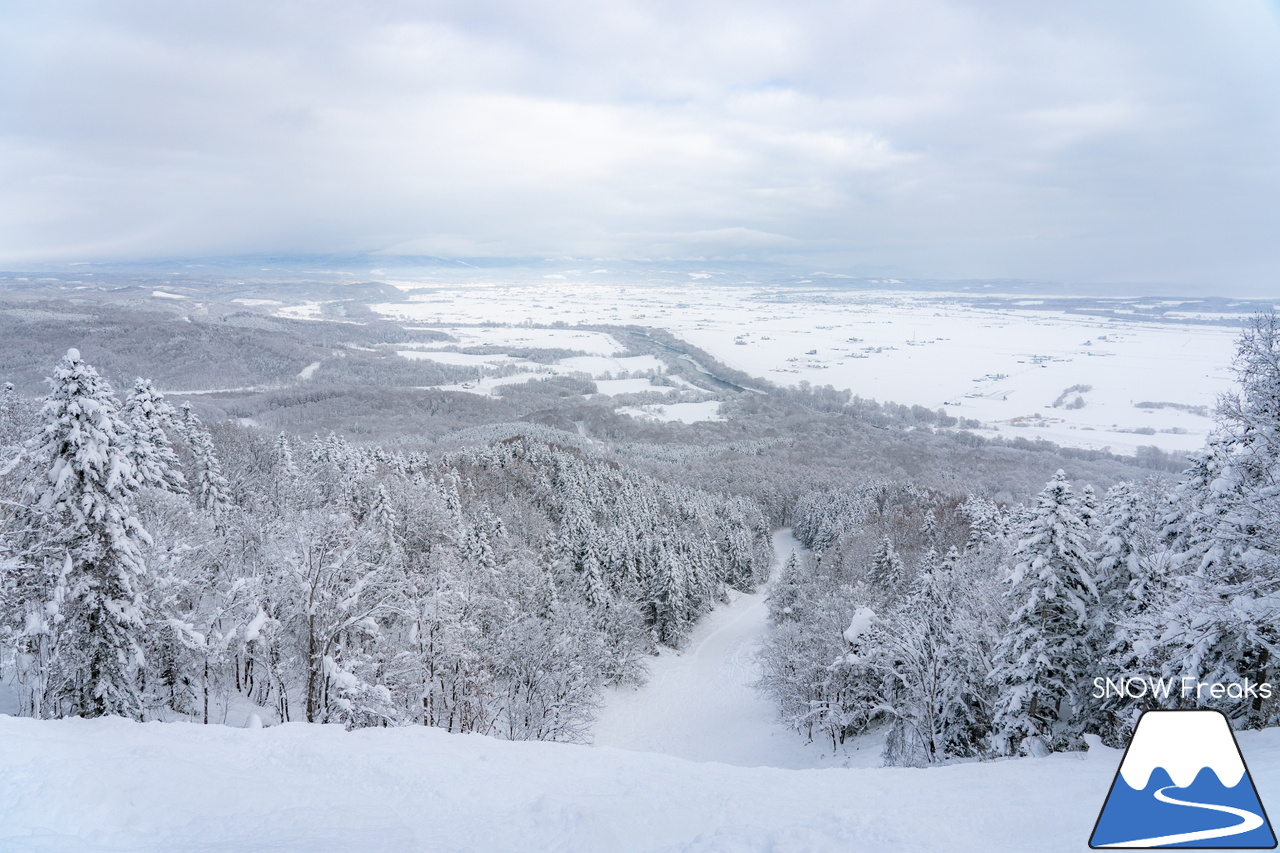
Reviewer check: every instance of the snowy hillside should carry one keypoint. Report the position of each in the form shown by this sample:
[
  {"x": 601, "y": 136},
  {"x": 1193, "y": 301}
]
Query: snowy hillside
[
  {"x": 115, "y": 785},
  {"x": 511, "y": 588}
]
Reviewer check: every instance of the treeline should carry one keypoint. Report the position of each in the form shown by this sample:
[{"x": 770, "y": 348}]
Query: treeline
[
  {"x": 890, "y": 415},
  {"x": 815, "y": 438},
  {"x": 153, "y": 568},
  {"x": 200, "y": 350},
  {"x": 971, "y": 629},
  {"x": 893, "y": 619}
]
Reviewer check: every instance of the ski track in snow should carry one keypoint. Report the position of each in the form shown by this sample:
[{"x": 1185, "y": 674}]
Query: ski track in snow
[
  {"x": 700, "y": 703},
  {"x": 1248, "y": 822}
]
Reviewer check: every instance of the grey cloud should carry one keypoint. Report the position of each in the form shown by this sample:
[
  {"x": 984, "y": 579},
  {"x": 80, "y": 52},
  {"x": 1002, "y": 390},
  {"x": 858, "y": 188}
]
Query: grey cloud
[{"x": 1087, "y": 140}]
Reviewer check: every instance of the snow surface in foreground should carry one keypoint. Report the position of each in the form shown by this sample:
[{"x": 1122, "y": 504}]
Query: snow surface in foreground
[{"x": 115, "y": 785}]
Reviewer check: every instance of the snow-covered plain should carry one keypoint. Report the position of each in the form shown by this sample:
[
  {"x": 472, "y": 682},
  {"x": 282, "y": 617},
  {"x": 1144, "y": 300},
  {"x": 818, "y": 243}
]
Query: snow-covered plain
[
  {"x": 311, "y": 310},
  {"x": 602, "y": 365},
  {"x": 599, "y": 366},
  {"x": 614, "y": 387},
  {"x": 487, "y": 386},
  {"x": 1004, "y": 364}
]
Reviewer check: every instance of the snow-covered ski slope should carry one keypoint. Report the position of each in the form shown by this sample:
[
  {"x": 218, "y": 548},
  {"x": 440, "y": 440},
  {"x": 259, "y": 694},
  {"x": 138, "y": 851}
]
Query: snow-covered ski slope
[
  {"x": 700, "y": 704},
  {"x": 112, "y": 785}
]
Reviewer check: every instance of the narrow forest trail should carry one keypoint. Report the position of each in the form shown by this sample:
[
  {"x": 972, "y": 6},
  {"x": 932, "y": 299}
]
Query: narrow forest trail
[{"x": 700, "y": 704}]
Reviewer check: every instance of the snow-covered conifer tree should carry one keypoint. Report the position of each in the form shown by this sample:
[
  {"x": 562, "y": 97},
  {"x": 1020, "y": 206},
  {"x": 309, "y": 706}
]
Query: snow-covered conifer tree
[
  {"x": 1131, "y": 592},
  {"x": 147, "y": 413},
  {"x": 210, "y": 488},
  {"x": 987, "y": 524},
  {"x": 886, "y": 572},
  {"x": 593, "y": 588},
  {"x": 1043, "y": 661},
  {"x": 282, "y": 456},
  {"x": 1087, "y": 505},
  {"x": 784, "y": 595},
  {"x": 1223, "y": 624},
  {"x": 81, "y": 554}
]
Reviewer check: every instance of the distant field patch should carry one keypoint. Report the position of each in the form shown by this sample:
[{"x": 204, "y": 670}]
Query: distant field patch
[
  {"x": 598, "y": 366},
  {"x": 685, "y": 413},
  {"x": 1202, "y": 411},
  {"x": 614, "y": 387},
  {"x": 459, "y": 358}
]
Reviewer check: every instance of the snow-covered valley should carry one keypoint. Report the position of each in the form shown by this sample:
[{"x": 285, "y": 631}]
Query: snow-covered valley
[{"x": 1075, "y": 375}]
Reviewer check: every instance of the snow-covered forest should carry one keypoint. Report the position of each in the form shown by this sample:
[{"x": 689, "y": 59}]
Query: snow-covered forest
[
  {"x": 306, "y": 549},
  {"x": 151, "y": 574},
  {"x": 157, "y": 566},
  {"x": 975, "y": 629}
]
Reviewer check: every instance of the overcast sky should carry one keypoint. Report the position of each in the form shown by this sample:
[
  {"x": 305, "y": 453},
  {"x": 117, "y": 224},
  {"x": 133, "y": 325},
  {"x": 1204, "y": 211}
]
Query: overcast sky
[{"x": 1087, "y": 141}]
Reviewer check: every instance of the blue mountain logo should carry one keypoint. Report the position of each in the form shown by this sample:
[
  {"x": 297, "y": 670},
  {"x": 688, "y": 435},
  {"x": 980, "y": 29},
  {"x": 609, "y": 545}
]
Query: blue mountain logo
[{"x": 1183, "y": 783}]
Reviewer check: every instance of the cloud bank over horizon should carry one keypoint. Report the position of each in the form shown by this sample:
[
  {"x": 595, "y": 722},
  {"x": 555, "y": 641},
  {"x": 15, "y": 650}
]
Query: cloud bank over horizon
[{"x": 937, "y": 138}]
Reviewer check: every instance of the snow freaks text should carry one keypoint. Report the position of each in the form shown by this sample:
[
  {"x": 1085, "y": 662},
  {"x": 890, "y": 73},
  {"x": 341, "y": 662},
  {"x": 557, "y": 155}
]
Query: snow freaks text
[{"x": 1188, "y": 687}]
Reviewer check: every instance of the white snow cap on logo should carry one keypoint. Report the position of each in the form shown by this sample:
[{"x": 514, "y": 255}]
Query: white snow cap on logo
[{"x": 1183, "y": 743}]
